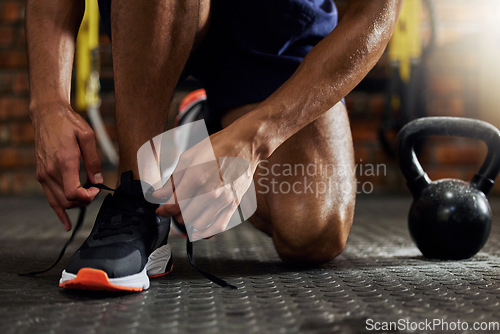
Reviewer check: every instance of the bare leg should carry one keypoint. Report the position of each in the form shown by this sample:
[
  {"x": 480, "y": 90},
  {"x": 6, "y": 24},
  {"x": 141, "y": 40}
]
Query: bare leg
[
  {"x": 309, "y": 223},
  {"x": 151, "y": 44}
]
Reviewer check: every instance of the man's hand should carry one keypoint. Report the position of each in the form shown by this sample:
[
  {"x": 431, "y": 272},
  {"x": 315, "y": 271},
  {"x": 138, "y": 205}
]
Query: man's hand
[
  {"x": 208, "y": 191},
  {"x": 62, "y": 137}
]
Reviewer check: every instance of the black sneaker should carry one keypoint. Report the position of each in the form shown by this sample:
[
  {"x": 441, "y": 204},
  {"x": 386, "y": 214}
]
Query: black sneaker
[{"x": 127, "y": 245}]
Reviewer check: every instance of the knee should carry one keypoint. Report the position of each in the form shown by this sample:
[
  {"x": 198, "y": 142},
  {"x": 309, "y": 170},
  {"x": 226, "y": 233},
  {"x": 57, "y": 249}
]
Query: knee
[{"x": 318, "y": 246}]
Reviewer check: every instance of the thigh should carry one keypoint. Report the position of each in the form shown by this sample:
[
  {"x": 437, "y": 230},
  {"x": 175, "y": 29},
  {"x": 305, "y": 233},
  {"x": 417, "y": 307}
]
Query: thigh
[
  {"x": 253, "y": 47},
  {"x": 309, "y": 177}
]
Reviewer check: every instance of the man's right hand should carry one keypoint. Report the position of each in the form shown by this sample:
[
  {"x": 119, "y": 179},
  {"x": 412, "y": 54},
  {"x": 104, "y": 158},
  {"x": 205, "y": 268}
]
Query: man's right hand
[{"x": 62, "y": 137}]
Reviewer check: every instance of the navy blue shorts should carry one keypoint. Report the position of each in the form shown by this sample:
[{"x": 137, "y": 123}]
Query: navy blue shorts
[{"x": 252, "y": 47}]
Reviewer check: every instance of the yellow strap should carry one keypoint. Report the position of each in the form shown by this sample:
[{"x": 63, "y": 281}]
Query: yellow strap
[
  {"x": 406, "y": 45},
  {"x": 87, "y": 88}
]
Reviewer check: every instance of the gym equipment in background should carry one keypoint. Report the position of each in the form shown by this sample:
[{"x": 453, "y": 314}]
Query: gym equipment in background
[
  {"x": 408, "y": 56},
  {"x": 87, "y": 83}
]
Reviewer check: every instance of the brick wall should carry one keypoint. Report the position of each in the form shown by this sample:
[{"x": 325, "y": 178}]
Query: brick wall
[
  {"x": 17, "y": 163},
  {"x": 451, "y": 89}
]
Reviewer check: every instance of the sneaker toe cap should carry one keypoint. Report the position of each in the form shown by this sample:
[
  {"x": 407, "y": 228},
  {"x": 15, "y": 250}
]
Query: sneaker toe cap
[{"x": 116, "y": 261}]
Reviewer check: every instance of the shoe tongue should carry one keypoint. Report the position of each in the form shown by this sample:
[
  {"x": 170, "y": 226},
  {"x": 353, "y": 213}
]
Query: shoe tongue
[{"x": 128, "y": 185}]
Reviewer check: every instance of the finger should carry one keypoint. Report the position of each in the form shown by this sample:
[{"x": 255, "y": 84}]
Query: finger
[
  {"x": 179, "y": 218},
  {"x": 198, "y": 179},
  {"x": 54, "y": 204},
  {"x": 60, "y": 196},
  {"x": 176, "y": 180},
  {"x": 240, "y": 186},
  {"x": 168, "y": 210},
  {"x": 219, "y": 225},
  {"x": 166, "y": 191},
  {"x": 201, "y": 217},
  {"x": 70, "y": 178},
  {"x": 198, "y": 189},
  {"x": 233, "y": 168},
  {"x": 221, "y": 221},
  {"x": 91, "y": 161},
  {"x": 177, "y": 176}
]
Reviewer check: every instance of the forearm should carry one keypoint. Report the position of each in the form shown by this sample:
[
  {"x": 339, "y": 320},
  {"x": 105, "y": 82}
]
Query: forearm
[
  {"x": 330, "y": 71},
  {"x": 51, "y": 29}
]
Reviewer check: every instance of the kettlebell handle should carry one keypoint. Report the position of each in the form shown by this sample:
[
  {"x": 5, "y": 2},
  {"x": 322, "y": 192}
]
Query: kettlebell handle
[{"x": 415, "y": 176}]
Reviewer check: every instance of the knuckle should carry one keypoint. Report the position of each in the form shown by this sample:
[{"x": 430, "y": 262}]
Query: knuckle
[
  {"x": 87, "y": 134},
  {"x": 65, "y": 159},
  {"x": 200, "y": 180},
  {"x": 70, "y": 194},
  {"x": 227, "y": 196},
  {"x": 73, "y": 195},
  {"x": 60, "y": 157},
  {"x": 184, "y": 156},
  {"x": 50, "y": 171},
  {"x": 213, "y": 195},
  {"x": 218, "y": 192},
  {"x": 40, "y": 176}
]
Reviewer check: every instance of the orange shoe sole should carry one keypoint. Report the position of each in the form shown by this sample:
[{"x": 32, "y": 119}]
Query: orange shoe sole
[{"x": 96, "y": 279}]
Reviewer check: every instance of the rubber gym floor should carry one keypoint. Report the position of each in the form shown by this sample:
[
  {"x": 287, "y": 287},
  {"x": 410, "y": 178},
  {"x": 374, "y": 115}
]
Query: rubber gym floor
[{"x": 380, "y": 278}]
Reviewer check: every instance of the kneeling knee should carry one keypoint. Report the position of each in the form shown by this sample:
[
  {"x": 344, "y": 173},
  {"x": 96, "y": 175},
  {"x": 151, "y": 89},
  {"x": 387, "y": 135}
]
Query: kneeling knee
[
  {"x": 311, "y": 256},
  {"x": 314, "y": 251}
]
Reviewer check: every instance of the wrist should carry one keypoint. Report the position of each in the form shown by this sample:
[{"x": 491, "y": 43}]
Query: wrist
[
  {"x": 41, "y": 106},
  {"x": 262, "y": 138}
]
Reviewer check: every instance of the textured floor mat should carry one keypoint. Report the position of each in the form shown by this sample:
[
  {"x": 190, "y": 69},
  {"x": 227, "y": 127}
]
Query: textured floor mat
[{"x": 380, "y": 281}]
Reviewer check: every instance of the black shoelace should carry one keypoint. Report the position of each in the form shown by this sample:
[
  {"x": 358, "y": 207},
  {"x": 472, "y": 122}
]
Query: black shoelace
[{"x": 111, "y": 230}]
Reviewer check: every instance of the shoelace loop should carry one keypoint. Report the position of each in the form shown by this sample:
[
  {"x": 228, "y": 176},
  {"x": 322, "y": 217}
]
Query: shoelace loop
[{"x": 118, "y": 218}]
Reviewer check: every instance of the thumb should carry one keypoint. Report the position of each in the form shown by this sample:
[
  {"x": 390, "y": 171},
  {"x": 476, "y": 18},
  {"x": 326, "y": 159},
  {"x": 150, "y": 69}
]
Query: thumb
[{"x": 166, "y": 191}]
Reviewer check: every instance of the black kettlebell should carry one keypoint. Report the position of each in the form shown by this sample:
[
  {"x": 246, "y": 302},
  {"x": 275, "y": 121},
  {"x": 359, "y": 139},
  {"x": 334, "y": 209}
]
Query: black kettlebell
[{"x": 449, "y": 219}]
